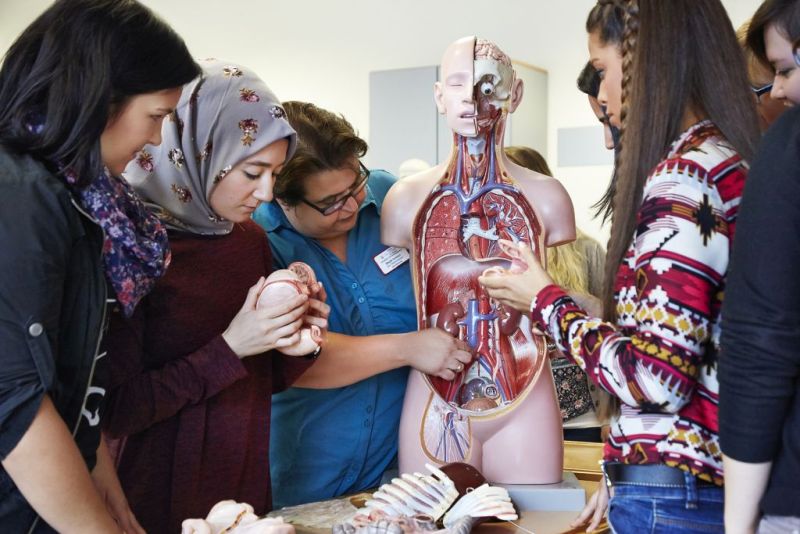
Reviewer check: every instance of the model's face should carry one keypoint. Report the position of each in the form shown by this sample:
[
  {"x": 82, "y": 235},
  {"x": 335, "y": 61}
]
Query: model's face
[
  {"x": 323, "y": 189},
  {"x": 455, "y": 93},
  {"x": 780, "y": 53},
  {"x": 598, "y": 112},
  {"x": 249, "y": 183},
  {"x": 135, "y": 125},
  {"x": 607, "y": 59}
]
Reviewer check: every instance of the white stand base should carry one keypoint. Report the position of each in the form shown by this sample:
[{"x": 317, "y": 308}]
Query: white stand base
[{"x": 564, "y": 496}]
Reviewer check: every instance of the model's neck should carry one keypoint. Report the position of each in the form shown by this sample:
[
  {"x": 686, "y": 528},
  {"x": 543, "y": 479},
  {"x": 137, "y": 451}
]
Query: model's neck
[{"x": 477, "y": 154}]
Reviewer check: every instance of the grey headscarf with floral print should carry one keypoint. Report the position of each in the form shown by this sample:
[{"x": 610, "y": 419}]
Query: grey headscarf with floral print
[{"x": 223, "y": 117}]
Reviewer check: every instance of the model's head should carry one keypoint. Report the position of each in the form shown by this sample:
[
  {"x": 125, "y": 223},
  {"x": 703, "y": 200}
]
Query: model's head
[
  {"x": 774, "y": 37},
  {"x": 680, "y": 63},
  {"x": 220, "y": 152},
  {"x": 87, "y": 84},
  {"x": 321, "y": 188},
  {"x": 477, "y": 86}
]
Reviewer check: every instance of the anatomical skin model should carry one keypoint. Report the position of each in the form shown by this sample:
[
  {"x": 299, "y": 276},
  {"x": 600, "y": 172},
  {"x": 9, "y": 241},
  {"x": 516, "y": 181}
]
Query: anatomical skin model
[{"x": 500, "y": 413}]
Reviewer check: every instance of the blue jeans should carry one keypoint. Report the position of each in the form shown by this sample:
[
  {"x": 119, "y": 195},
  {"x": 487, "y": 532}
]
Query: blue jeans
[{"x": 644, "y": 508}]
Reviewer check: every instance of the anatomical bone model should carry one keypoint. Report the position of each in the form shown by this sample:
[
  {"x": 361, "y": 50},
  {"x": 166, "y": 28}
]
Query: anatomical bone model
[
  {"x": 456, "y": 496},
  {"x": 500, "y": 414}
]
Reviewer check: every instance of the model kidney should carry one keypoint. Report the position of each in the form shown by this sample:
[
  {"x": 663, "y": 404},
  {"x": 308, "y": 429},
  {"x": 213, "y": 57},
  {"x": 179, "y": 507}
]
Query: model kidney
[{"x": 284, "y": 284}]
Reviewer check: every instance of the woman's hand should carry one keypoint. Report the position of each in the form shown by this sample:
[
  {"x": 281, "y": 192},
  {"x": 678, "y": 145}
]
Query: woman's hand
[
  {"x": 105, "y": 480},
  {"x": 595, "y": 509},
  {"x": 255, "y": 331},
  {"x": 436, "y": 353},
  {"x": 516, "y": 289},
  {"x": 318, "y": 310}
]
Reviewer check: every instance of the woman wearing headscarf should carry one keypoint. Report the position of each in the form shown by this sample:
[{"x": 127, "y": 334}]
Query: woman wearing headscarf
[{"x": 194, "y": 368}]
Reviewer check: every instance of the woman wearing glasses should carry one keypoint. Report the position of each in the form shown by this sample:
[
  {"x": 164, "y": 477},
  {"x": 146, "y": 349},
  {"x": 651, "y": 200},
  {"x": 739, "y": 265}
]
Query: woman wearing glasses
[
  {"x": 760, "y": 76},
  {"x": 341, "y": 439}
]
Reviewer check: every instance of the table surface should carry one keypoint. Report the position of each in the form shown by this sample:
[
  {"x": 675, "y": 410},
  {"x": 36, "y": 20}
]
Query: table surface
[{"x": 537, "y": 522}]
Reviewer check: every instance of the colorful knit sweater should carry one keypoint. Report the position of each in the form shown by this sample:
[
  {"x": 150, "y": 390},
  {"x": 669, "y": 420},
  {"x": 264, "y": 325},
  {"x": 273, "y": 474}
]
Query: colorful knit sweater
[{"x": 660, "y": 359}]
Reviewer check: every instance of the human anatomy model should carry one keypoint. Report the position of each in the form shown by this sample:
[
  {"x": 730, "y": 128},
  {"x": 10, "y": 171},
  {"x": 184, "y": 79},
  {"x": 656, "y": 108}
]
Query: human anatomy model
[
  {"x": 284, "y": 284},
  {"x": 500, "y": 413}
]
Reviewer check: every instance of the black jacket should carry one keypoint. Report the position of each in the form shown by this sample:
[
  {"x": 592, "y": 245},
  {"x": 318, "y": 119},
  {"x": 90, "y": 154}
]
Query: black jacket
[
  {"x": 759, "y": 366},
  {"x": 52, "y": 311}
]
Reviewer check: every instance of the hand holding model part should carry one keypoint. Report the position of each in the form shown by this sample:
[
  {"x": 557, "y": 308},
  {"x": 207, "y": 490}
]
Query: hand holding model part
[
  {"x": 435, "y": 352},
  {"x": 276, "y": 322},
  {"x": 521, "y": 282},
  {"x": 285, "y": 284}
]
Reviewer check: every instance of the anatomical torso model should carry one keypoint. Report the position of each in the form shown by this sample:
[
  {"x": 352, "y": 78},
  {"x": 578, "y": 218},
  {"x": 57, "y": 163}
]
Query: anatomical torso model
[{"x": 500, "y": 413}]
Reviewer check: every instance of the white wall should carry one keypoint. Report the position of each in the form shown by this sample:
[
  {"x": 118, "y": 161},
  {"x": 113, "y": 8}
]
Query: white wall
[{"x": 323, "y": 51}]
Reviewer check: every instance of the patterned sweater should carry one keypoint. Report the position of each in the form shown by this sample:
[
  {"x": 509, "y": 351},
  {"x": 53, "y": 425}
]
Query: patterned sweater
[{"x": 660, "y": 359}]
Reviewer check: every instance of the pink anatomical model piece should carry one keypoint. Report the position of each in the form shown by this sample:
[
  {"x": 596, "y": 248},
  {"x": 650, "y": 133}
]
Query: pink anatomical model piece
[
  {"x": 459, "y": 219},
  {"x": 230, "y": 517},
  {"x": 283, "y": 284}
]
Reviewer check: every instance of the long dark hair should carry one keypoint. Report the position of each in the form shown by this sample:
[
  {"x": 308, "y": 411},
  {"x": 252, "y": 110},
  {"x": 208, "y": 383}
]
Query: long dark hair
[
  {"x": 74, "y": 67},
  {"x": 678, "y": 56},
  {"x": 607, "y": 21}
]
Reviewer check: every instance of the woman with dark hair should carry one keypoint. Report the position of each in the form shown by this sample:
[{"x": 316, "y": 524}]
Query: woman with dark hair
[
  {"x": 194, "y": 368},
  {"x": 678, "y": 89},
  {"x": 589, "y": 83},
  {"x": 84, "y": 87},
  {"x": 759, "y": 372},
  {"x": 761, "y": 76},
  {"x": 327, "y": 209}
]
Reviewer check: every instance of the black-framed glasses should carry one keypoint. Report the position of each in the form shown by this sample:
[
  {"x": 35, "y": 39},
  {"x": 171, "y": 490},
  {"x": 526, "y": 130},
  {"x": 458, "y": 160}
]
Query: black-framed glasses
[
  {"x": 759, "y": 91},
  {"x": 361, "y": 182}
]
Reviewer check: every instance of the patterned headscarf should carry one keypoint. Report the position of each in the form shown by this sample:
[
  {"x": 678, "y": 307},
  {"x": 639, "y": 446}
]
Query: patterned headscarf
[{"x": 223, "y": 117}]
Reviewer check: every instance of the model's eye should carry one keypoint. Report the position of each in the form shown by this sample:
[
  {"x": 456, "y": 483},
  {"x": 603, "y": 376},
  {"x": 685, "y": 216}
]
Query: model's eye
[
  {"x": 251, "y": 176},
  {"x": 487, "y": 88}
]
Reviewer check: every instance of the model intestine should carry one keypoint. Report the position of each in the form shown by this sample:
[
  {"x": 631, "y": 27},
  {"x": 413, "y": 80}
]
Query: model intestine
[
  {"x": 284, "y": 284},
  {"x": 230, "y": 517}
]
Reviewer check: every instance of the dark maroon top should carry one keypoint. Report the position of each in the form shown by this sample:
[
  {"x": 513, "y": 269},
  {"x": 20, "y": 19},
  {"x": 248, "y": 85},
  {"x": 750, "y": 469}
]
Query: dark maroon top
[{"x": 194, "y": 418}]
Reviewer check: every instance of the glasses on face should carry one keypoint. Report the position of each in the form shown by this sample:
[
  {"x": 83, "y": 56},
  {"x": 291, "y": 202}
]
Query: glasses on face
[
  {"x": 338, "y": 204},
  {"x": 760, "y": 91}
]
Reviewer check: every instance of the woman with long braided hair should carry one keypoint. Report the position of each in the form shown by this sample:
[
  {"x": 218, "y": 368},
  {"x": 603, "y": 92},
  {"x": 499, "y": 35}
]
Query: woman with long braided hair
[{"x": 676, "y": 85}]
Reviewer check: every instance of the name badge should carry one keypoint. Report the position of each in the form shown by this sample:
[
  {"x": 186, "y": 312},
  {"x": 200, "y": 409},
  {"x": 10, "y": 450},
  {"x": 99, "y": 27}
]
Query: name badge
[{"x": 391, "y": 258}]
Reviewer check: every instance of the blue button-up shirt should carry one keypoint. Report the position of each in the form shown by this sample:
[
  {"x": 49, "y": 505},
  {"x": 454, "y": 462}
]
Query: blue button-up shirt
[{"x": 329, "y": 442}]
